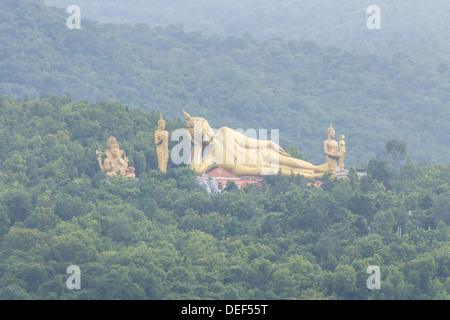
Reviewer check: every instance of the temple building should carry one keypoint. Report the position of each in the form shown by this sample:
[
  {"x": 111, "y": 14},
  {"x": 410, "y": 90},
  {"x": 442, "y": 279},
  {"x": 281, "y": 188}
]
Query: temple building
[{"x": 224, "y": 177}]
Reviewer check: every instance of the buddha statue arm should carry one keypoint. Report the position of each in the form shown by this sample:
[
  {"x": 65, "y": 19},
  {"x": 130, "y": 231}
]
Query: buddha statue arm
[
  {"x": 252, "y": 143},
  {"x": 99, "y": 158},
  {"x": 158, "y": 138},
  {"x": 325, "y": 149},
  {"x": 190, "y": 138},
  {"x": 101, "y": 165},
  {"x": 108, "y": 165},
  {"x": 342, "y": 147},
  {"x": 328, "y": 153}
]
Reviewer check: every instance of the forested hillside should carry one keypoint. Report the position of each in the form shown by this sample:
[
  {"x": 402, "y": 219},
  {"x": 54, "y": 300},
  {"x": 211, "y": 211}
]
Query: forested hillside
[
  {"x": 162, "y": 237},
  {"x": 417, "y": 29},
  {"x": 298, "y": 87}
]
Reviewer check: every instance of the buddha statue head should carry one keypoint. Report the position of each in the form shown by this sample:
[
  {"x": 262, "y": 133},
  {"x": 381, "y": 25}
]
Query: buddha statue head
[
  {"x": 331, "y": 132},
  {"x": 207, "y": 133},
  {"x": 161, "y": 123},
  {"x": 111, "y": 140}
]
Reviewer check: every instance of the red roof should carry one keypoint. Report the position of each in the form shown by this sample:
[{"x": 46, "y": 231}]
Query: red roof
[{"x": 220, "y": 173}]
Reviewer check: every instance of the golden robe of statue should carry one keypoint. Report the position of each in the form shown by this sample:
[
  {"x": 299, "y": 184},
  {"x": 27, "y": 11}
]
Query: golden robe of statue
[
  {"x": 242, "y": 155},
  {"x": 162, "y": 145},
  {"x": 342, "y": 153},
  {"x": 330, "y": 148},
  {"x": 116, "y": 162}
]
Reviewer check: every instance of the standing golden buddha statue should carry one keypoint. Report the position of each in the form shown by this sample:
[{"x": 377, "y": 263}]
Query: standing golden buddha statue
[
  {"x": 330, "y": 148},
  {"x": 162, "y": 145}
]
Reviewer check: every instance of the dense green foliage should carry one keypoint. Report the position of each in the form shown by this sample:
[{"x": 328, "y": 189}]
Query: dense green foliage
[
  {"x": 297, "y": 87},
  {"x": 162, "y": 237}
]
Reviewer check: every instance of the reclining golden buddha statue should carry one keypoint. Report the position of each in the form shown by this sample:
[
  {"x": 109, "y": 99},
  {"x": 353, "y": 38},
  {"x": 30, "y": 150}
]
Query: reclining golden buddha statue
[{"x": 243, "y": 155}]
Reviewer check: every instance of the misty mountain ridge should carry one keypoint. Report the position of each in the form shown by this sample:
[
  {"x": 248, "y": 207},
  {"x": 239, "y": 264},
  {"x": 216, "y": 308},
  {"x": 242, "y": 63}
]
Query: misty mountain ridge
[
  {"x": 420, "y": 29},
  {"x": 298, "y": 87}
]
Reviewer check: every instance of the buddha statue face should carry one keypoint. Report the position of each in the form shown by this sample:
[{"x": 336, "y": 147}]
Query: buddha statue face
[
  {"x": 331, "y": 132},
  {"x": 342, "y": 137},
  {"x": 161, "y": 124}
]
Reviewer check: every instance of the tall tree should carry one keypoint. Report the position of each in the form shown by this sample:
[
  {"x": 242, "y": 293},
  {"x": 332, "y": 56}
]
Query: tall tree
[{"x": 395, "y": 150}]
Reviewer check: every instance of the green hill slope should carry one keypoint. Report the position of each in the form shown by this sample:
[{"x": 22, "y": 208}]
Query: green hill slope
[
  {"x": 296, "y": 87},
  {"x": 161, "y": 237}
]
